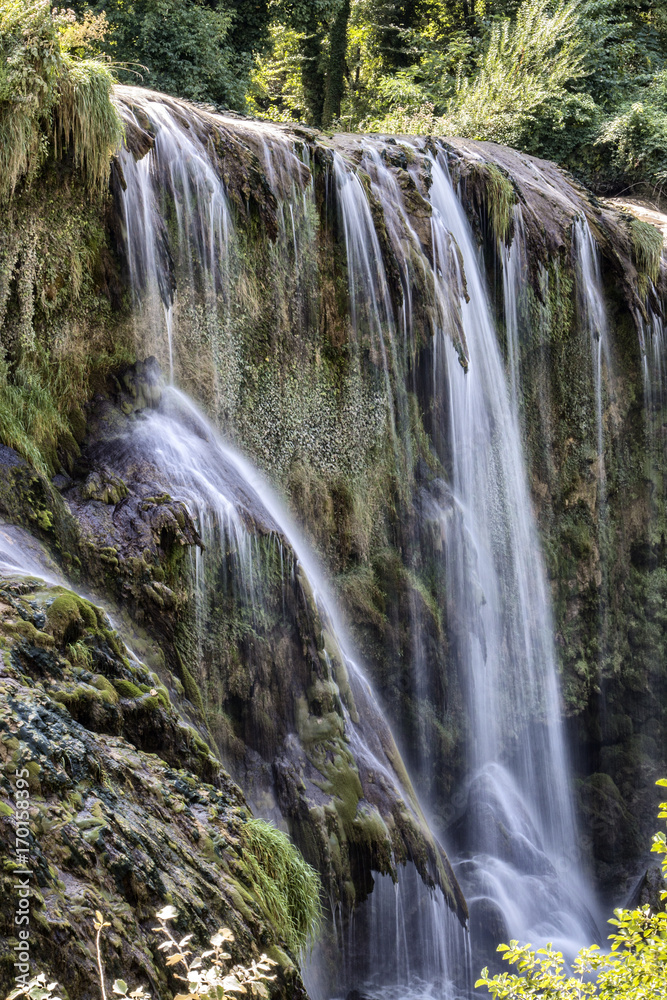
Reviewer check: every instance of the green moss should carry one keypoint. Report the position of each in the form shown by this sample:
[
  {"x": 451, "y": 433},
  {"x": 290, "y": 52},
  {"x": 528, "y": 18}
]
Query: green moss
[
  {"x": 340, "y": 780},
  {"x": 28, "y": 631},
  {"x": 60, "y": 336},
  {"x": 495, "y": 191},
  {"x": 126, "y": 689},
  {"x": 70, "y": 616},
  {"x": 192, "y": 692},
  {"x": 317, "y": 728},
  {"x": 105, "y": 686}
]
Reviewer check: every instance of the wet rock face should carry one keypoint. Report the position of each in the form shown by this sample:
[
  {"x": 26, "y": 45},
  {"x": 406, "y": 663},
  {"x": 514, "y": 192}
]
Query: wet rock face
[
  {"x": 260, "y": 673},
  {"x": 487, "y": 929},
  {"x": 129, "y": 809}
]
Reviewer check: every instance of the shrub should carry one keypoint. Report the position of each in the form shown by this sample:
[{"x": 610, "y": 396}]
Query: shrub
[
  {"x": 528, "y": 64},
  {"x": 181, "y": 47},
  {"x": 208, "y": 976},
  {"x": 635, "y": 968},
  {"x": 633, "y": 139}
]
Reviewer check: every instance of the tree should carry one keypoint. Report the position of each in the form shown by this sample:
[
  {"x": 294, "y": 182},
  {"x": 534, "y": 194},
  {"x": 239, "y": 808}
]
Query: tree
[
  {"x": 322, "y": 29},
  {"x": 198, "y": 49}
]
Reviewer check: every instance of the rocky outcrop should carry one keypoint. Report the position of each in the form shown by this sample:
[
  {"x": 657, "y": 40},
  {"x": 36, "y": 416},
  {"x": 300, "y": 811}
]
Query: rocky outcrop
[
  {"x": 128, "y": 807},
  {"x": 278, "y": 705}
]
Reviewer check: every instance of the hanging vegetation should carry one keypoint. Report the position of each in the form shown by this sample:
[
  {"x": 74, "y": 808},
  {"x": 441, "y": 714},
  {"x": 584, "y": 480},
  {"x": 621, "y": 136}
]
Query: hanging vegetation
[{"x": 52, "y": 100}]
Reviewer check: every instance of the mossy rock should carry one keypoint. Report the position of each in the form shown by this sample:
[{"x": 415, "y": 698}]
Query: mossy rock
[
  {"x": 126, "y": 689},
  {"x": 69, "y": 617}
]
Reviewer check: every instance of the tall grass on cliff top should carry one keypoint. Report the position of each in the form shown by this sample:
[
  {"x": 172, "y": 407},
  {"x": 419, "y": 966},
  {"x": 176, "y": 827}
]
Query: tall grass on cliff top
[{"x": 52, "y": 98}]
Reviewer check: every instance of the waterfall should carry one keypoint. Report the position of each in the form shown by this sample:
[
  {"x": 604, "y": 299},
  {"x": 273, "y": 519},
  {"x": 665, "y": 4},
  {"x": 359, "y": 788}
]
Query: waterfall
[
  {"x": 516, "y": 836},
  {"x": 518, "y": 829},
  {"x": 594, "y": 321},
  {"x": 514, "y": 260},
  {"x": 178, "y": 177},
  {"x": 22, "y": 555},
  {"x": 233, "y": 506},
  {"x": 520, "y": 862}
]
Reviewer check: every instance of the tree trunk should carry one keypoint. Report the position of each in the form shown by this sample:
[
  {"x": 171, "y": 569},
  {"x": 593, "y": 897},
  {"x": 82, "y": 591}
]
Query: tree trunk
[
  {"x": 312, "y": 76},
  {"x": 336, "y": 69}
]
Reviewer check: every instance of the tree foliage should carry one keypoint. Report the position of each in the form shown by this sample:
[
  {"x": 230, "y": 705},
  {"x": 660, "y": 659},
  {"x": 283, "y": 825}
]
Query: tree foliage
[
  {"x": 526, "y": 68},
  {"x": 634, "y": 968},
  {"x": 181, "y": 47},
  {"x": 582, "y": 82}
]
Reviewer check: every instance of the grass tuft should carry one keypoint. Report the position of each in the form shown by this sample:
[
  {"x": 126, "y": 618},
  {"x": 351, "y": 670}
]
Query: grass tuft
[
  {"x": 86, "y": 120},
  {"x": 285, "y": 886},
  {"x": 50, "y": 99},
  {"x": 647, "y": 246}
]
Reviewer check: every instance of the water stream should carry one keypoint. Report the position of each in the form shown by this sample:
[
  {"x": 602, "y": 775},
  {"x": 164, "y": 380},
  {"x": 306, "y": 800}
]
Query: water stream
[
  {"x": 518, "y": 828},
  {"x": 515, "y": 837},
  {"x": 514, "y": 258},
  {"x": 594, "y": 316}
]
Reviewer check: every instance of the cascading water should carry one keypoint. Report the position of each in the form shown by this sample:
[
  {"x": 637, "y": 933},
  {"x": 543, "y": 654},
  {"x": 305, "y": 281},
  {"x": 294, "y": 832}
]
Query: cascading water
[
  {"x": 175, "y": 187},
  {"x": 594, "y": 321},
  {"x": 594, "y": 316},
  {"x": 225, "y": 493},
  {"x": 371, "y": 311},
  {"x": 22, "y": 555},
  {"x": 514, "y": 281},
  {"x": 518, "y": 828},
  {"x": 522, "y": 870},
  {"x": 517, "y": 837}
]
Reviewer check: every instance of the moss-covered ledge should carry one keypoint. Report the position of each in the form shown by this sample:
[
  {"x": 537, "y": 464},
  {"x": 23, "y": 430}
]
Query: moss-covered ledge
[{"x": 129, "y": 809}]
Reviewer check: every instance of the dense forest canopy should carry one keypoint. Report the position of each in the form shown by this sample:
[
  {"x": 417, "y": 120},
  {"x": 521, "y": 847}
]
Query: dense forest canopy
[{"x": 583, "y": 82}]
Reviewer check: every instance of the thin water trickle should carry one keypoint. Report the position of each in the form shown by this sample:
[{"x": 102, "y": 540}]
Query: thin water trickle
[
  {"x": 514, "y": 261},
  {"x": 593, "y": 313},
  {"x": 22, "y": 555},
  {"x": 371, "y": 311},
  {"x": 654, "y": 348},
  {"x": 594, "y": 317},
  {"x": 177, "y": 222}
]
